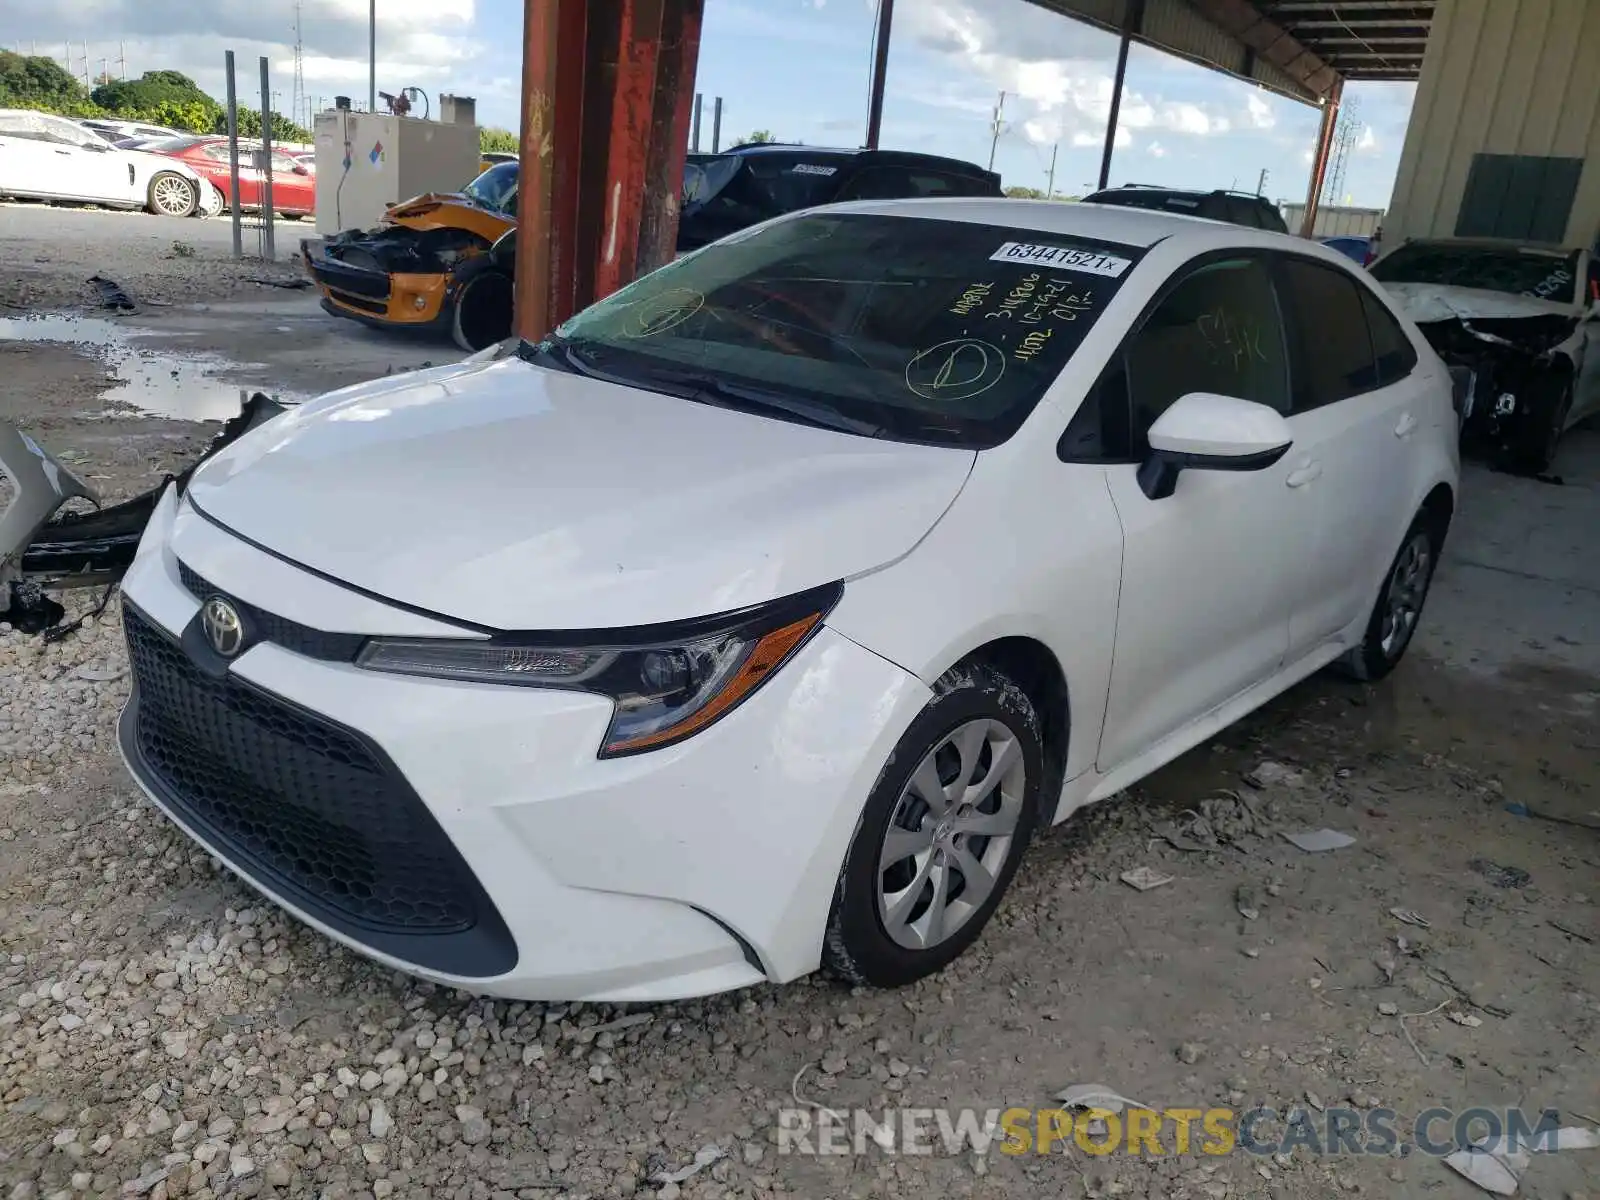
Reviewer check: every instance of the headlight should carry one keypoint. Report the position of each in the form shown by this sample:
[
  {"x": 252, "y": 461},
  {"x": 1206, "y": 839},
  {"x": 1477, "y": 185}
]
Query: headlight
[{"x": 667, "y": 682}]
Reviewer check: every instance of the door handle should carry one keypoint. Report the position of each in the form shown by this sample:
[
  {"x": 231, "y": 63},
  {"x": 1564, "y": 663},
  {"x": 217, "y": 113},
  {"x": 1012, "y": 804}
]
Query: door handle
[
  {"x": 67, "y": 153},
  {"x": 1406, "y": 425},
  {"x": 1304, "y": 474}
]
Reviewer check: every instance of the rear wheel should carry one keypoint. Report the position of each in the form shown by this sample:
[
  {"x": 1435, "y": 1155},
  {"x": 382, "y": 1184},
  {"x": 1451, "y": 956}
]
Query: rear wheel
[
  {"x": 171, "y": 195},
  {"x": 1399, "y": 608},
  {"x": 941, "y": 835}
]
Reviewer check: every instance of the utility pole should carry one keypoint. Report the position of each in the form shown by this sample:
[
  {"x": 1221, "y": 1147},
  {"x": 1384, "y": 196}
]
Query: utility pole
[
  {"x": 1261, "y": 183},
  {"x": 122, "y": 60},
  {"x": 1050, "y": 188},
  {"x": 372, "y": 56},
  {"x": 85, "y": 46},
  {"x": 994, "y": 139}
]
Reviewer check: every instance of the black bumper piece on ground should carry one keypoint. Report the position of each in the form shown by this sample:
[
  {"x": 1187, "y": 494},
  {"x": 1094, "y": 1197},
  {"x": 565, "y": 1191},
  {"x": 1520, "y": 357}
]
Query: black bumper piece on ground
[{"x": 305, "y": 808}]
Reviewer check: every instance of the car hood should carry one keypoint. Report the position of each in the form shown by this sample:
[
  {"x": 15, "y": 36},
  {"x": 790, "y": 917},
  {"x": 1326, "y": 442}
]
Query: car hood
[
  {"x": 516, "y": 497},
  {"x": 1425, "y": 302}
]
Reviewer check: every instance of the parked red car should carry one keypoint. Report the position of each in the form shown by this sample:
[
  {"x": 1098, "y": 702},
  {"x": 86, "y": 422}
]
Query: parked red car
[{"x": 294, "y": 187}]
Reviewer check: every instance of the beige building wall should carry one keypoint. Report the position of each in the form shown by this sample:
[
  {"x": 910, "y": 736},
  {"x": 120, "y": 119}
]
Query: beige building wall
[{"x": 1500, "y": 77}]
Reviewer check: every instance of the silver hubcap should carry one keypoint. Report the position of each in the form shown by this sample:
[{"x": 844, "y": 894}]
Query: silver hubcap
[
  {"x": 1403, "y": 601},
  {"x": 950, "y": 834},
  {"x": 172, "y": 195}
]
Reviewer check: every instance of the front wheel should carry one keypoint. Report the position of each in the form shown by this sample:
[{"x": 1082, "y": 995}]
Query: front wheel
[
  {"x": 172, "y": 195},
  {"x": 483, "y": 311},
  {"x": 942, "y": 833},
  {"x": 1399, "y": 608}
]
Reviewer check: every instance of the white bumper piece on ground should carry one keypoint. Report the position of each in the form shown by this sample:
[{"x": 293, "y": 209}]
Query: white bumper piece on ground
[{"x": 693, "y": 869}]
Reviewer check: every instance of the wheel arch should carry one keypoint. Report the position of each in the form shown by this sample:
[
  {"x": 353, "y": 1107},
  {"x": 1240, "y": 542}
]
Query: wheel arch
[
  {"x": 1439, "y": 506},
  {"x": 1035, "y": 668}
]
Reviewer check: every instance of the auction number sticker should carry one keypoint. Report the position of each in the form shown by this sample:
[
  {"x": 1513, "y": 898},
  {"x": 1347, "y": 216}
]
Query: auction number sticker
[
  {"x": 1088, "y": 262},
  {"x": 811, "y": 169}
]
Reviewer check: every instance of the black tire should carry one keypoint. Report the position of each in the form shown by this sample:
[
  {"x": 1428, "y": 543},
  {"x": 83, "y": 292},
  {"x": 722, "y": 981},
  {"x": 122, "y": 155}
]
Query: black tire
[
  {"x": 1371, "y": 660},
  {"x": 483, "y": 311},
  {"x": 168, "y": 184},
  {"x": 1543, "y": 436},
  {"x": 857, "y": 946}
]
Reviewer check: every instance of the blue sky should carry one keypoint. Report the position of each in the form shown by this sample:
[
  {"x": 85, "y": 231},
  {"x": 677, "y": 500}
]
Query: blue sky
[{"x": 796, "y": 67}]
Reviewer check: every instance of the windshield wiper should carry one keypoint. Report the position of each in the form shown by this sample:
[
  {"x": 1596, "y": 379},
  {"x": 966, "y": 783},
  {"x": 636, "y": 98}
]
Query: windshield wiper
[
  {"x": 716, "y": 390},
  {"x": 692, "y": 385}
]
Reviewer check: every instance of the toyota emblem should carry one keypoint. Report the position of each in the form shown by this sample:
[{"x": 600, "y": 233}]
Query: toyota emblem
[{"x": 222, "y": 626}]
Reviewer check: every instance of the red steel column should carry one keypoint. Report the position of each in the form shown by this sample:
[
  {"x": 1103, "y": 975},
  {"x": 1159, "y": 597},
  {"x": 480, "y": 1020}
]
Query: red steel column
[
  {"x": 552, "y": 35},
  {"x": 673, "y": 97},
  {"x": 607, "y": 90},
  {"x": 1319, "y": 162}
]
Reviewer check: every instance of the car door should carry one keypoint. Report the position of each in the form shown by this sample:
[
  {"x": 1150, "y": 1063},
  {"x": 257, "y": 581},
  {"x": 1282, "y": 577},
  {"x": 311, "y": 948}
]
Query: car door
[
  {"x": 1586, "y": 395},
  {"x": 91, "y": 166},
  {"x": 1360, "y": 400},
  {"x": 29, "y": 165},
  {"x": 1209, "y": 573},
  {"x": 291, "y": 189}
]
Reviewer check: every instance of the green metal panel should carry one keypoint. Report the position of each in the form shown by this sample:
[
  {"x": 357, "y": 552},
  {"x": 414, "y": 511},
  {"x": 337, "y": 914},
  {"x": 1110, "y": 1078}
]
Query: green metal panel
[{"x": 1519, "y": 196}]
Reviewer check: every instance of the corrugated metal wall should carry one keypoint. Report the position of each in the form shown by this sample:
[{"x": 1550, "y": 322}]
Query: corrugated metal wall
[
  {"x": 1333, "y": 220},
  {"x": 1500, "y": 77}
]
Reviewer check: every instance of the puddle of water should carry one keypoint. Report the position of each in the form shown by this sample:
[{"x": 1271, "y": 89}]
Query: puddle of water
[{"x": 190, "y": 387}]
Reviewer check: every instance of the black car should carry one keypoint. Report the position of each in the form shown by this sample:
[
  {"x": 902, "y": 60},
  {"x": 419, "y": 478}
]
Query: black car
[
  {"x": 724, "y": 193},
  {"x": 1236, "y": 208}
]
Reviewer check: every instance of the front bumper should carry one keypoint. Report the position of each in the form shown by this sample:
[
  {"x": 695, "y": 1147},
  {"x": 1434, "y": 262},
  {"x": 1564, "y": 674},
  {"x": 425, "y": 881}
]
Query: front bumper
[
  {"x": 381, "y": 299},
  {"x": 538, "y": 870}
]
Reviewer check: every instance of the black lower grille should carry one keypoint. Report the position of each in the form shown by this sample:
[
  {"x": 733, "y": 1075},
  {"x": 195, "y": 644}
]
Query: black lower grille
[{"x": 310, "y": 809}]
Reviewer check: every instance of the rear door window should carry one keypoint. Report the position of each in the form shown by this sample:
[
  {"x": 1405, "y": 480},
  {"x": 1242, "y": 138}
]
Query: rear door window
[
  {"x": 1334, "y": 347},
  {"x": 1396, "y": 356}
]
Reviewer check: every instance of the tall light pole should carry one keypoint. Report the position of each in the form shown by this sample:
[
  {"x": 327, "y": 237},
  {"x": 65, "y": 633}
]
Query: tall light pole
[{"x": 372, "y": 56}]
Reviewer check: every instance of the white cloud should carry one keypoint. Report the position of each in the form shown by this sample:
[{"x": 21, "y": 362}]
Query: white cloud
[
  {"x": 1367, "y": 140},
  {"x": 1156, "y": 150},
  {"x": 1259, "y": 113}
]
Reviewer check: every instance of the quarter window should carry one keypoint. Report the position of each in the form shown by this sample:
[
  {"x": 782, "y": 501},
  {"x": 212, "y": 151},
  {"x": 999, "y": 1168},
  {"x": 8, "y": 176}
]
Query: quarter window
[
  {"x": 1217, "y": 331},
  {"x": 1335, "y": 350}
]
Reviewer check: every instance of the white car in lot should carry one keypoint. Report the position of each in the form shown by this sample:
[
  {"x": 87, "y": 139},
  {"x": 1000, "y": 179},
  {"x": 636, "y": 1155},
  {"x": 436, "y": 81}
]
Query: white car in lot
[
  {"x": 45, "y": 157},
  {"x": 758, "y": 617}
]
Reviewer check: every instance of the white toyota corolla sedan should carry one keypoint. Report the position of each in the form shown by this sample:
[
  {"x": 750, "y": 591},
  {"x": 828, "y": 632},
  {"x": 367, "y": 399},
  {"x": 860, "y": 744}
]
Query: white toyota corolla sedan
[{"x": 757, "y": 618}]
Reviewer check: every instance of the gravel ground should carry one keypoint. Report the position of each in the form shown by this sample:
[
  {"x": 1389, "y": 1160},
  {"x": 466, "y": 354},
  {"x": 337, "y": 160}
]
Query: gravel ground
[{"x": 164, "y": 1032}]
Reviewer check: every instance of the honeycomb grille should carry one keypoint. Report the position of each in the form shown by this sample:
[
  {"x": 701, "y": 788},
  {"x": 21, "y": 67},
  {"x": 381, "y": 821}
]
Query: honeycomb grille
[
  {"x": 280, "y": 631},
  {"x": 304, "y": 804}
]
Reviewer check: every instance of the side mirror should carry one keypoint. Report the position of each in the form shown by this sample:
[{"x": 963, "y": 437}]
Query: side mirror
[{"x": 1207, "y": 432}]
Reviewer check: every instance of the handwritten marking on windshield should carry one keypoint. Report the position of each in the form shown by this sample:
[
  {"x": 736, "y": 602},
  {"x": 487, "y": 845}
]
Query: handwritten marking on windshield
[
  {"x": 663, "y": 312},
  {"x": 971, "y": 299},
  {"x": 955, "y": 370}
]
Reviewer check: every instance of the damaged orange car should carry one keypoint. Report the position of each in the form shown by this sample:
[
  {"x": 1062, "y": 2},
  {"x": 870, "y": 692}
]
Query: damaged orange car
[{"x": 423, "y": 266}]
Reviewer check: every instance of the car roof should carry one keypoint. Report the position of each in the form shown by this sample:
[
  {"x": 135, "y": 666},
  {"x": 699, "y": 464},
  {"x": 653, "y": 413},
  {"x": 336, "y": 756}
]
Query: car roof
[
  {"x": 758, "y": 149},
  {"x": 1139, "y": 228}
]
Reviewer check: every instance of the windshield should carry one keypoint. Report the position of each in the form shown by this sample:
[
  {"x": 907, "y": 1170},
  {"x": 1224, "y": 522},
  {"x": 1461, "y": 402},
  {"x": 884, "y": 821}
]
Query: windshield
[
  {"x": 496, "y": 189},
  {"x": 923, "y": 330},
  {"x": 1516, "y": 271}
]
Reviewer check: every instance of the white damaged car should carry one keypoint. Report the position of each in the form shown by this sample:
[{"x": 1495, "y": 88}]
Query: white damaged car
[
  {"x": 1522, "y": 319},
  {"x": 45, "y": 157},
  {"x": 756, "y": 618}
]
